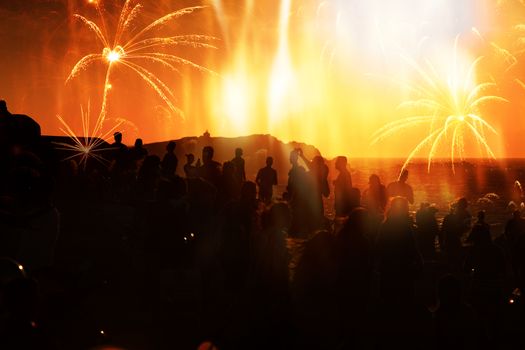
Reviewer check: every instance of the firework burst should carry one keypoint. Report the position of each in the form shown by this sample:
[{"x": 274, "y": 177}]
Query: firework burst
[
  {"x": 132, "y": 48},
  {"x": 92, "y": 144},
  {"x": 450, "y": 105}
]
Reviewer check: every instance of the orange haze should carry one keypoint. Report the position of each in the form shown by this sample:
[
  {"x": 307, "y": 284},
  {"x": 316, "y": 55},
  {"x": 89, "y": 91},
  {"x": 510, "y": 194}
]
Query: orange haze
[{"x": 328, "y": 73}]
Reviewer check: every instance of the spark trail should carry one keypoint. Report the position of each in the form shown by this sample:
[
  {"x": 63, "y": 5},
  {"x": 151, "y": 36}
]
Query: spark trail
[
  {"x": 132, "y": 48},
  {"x": 450, "y": 105}
]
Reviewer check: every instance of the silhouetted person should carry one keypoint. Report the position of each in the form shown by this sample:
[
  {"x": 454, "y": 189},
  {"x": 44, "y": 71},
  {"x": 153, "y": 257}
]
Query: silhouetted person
[
  {"x": 210, "y": 169},
  {"x": 270, "y": 273},
  {"x": 455, "y": 225},
  {"x": 511, "y": 240},
  {"x": 228, "y": 189},
  {"x": 238, "y": 163},
  {"x": 427, "y": 230},
  {"x": 3, "y": 109},
  {"x": 170, "y": 161},
  {"x": 318, "y": 183},
  {"x": 345, "y": 196},
  {"x": 190, "y": 170},
  {"x": 402, "y": 322},
  {"x": 454, "y": 321},
  {"x": 399, "y": 261},
  {"x": 137, "y": 153},
  {"x": 240, "y": 221},
  {"x": 515, "y": 226},
  {"x": 375, "y": 198},
  {"x": 463, "y": 215},
  {"x": 266, "y": 178},
  {"x": 485, "y": 263},
  {"x": 148, "y": 177},
  {"x": 400, "y": 188},
  {"x": 120, "y": 153},
  {"x": 354, "y": 258},
  {"x": 17, "y": 129},
  {"x": 313, "y": 286},
  {"x": 480, "y": 226},
  {"x": 272, "y": 256},
  {"x": 298, "y": 196}
]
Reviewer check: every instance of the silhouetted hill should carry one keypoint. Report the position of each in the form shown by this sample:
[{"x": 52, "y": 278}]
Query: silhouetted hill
[
  {"x": 256, "y": 148},
  {"x": 469, "y": 179}
]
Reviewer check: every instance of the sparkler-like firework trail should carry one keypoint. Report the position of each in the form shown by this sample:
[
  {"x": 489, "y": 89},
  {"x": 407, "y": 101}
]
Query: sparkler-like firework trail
[
  {"x": 90, "y": 144},
  {"x": 129, "y": 48},
  {"x": 505, "y": 56},
  {"x": 450, "y": 107}
]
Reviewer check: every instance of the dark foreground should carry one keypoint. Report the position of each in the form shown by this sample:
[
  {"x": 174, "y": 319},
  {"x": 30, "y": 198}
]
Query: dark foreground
[{"x": 130, "y": 255}]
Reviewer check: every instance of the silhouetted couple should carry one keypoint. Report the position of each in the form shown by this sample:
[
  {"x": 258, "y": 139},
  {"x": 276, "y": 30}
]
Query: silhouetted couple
[{"x": 305, "y": 192}]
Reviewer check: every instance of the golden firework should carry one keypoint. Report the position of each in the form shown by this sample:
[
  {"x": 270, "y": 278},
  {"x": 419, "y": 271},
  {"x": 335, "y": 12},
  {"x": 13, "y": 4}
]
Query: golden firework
[
  {"x": 91, "y": 144},
  {"x": 130, "y": 48},
  {"x": 450, "y": 105}
]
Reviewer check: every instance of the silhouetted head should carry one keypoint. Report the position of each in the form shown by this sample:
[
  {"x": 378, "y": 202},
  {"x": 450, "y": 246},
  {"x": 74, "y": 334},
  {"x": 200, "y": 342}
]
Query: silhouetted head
[
  {"x": 318, "y": 162},
  {"x": 403, "y": 177},
  {"x": 190, "y": 158},
  {"x": 516, "y": 214},
  {"x": 480, "y": 235},
  {"x": 340, "y": 163},
  {"x": 398, "y": 208},
  {"x": 374, "y": 180},
  {"x": 481, "y": 216},
  {"x": 3, "y": 108},
  {"x": 449, "y": 291},
  {"x": 356, "y": 223},
  {"x": 269, "y": 162},
  {"x": 170, "y": 147},
  {"x": 138, "y": 143},
  {"x": 207, "y": 153},
  {"x": 238, "y": 152},
  {"x": 117, "y": 136},
  {"x": 462, "y": 203},
  {"x": 248, "y": 192},
  {"x": 294, "y": 157}
]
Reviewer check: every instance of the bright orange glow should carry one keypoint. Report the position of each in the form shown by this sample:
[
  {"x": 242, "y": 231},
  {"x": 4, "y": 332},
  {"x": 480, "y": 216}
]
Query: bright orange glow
[
  {"x": 332, "y": 74},
  {"x": 449, "y": 103},
  {"x": 133, "y": 47},
  {"x": 326, "y": 72},
  {"x": 113, "y": 56}
]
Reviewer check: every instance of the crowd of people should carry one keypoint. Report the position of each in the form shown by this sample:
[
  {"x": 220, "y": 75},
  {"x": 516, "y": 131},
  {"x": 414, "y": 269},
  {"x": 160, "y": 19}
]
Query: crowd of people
[{"x": 214, "y": 257}]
